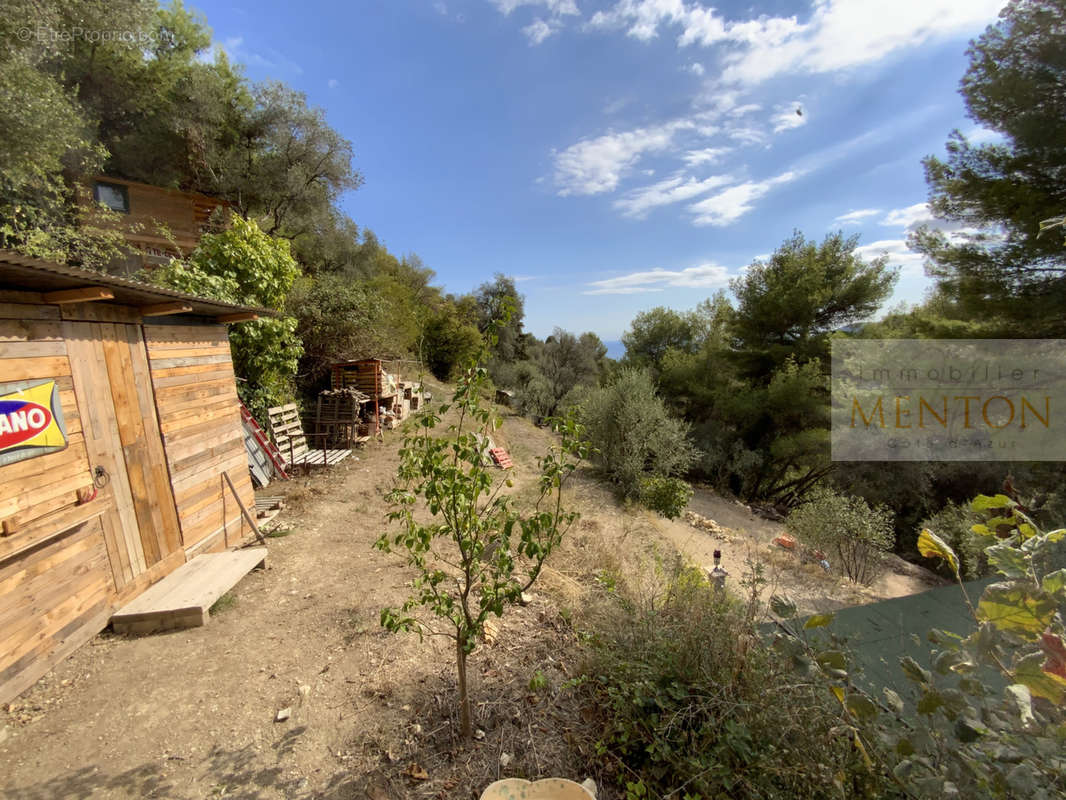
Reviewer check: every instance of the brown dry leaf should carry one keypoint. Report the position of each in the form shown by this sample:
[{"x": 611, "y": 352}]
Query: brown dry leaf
[{"x": 416, "y": 772}]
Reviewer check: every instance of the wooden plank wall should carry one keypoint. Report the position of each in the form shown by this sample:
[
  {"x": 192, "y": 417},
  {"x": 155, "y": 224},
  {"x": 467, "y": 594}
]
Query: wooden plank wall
[
  {"x": 111, "y": 380},
  {"x": 55, "y": 579},
  {"x": 199, "y": 415}
]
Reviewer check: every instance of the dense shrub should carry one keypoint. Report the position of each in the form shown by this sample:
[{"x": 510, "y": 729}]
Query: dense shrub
[
  {"x": 952, "y": 523},
  {"x": 852, "y": 534},
  {"x": 695, "y": 705},
  {"x": 668, "y": 496},
  {"x": 632, "y": 432}
]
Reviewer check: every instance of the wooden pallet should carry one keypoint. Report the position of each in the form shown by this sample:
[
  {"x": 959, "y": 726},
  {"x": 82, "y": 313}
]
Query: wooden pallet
[
  {"x": 501, "y": 457},
  {"x": 288, "y": 433},
  {"x": 266, "y": 508},
  {"x": 184, "y": 598}
]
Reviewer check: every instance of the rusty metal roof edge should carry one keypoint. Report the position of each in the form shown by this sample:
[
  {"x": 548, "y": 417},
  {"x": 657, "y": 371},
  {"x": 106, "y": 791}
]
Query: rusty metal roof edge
[{"x": 79, "y": 276}]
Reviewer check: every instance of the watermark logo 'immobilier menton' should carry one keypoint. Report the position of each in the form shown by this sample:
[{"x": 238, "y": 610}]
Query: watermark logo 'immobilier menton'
[{"x": 948, "y": 400}]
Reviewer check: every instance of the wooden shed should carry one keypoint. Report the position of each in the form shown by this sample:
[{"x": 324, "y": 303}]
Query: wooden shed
[
  {"x": 118, "y": 417},
  {"x": 143, "y": 210}
]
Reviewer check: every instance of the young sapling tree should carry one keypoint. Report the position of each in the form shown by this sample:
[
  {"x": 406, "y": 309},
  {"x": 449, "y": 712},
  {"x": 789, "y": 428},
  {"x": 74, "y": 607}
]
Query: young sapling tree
[{"x": 474, "y": 549}]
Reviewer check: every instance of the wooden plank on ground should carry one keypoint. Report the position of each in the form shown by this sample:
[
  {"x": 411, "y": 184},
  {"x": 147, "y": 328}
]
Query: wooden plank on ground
[{"x": 184, "y": 598}]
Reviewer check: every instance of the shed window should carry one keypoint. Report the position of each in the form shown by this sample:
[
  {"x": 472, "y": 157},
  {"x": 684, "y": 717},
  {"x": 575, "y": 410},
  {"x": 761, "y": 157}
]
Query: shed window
[{"x": 115, "y": 197}]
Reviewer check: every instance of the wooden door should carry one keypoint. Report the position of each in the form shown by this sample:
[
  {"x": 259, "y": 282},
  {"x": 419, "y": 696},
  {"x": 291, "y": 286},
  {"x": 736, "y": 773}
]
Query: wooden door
[{"x": 117, "y": 406}]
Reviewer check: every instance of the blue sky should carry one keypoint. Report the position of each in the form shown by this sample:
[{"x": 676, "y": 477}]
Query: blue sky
[{"x": 618, "y": 155}]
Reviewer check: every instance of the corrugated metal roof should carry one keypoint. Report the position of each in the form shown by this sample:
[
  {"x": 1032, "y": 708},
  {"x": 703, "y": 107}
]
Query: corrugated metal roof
[{"x": 19, "y": 272}]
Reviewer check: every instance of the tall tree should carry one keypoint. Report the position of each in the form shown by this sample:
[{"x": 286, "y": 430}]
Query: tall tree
[
  {"x": 788, "y": 305},
  {"x": 997, "y": 268},
  {"x": 653, "y": 333},
  {"x": 492, "y": 299}
]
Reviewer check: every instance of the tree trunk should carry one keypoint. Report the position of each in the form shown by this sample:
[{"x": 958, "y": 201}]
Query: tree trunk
[{"x": 465, "y": 726}]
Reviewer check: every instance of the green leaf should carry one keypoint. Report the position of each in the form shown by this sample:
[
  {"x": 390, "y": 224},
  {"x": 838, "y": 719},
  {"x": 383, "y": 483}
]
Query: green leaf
[
  {"x": 1009, "y": 561},
  {"x": 861, "y": 706},
  {"x": 833, "y": 659},
  {"x": 1020, "y": 701},
  {"x": 1016, "y": 608},
  {"x": 914, "y": 671},
  {"x": 1054, "y": 582},
  {"x": 969, "y": 730},
  {"x": 1030, "y": 672},
  {"x": 782, "y": 607},
  {"x": 930, "y": 702},
  {"x": 818, "y": 620},
  {"x": 984, "y": 502},
  {"x": 932, "y": 546}
]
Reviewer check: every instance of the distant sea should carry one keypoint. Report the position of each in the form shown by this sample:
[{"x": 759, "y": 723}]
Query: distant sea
[{"x": 615, "y": 349}]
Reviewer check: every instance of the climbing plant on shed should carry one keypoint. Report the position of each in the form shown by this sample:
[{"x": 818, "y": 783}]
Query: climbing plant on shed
[{"x": 242, "y": 264}]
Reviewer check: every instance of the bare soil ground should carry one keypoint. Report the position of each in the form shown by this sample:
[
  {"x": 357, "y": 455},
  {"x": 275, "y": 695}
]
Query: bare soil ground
[{"x": 191, "y": 714}]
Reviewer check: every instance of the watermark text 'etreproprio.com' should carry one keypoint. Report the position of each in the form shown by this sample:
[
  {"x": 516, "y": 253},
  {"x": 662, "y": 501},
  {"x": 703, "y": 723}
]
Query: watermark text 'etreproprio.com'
[{"x": 46, "y": 35}]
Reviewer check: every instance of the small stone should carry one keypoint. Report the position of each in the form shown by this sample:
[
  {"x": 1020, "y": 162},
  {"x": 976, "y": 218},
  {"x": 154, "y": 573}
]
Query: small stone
[
  {"x": 526, "y": 599},
  {"x": 505, "y": 759},
  {"x": 479, "y": 734},
  {"x": 416, "y": 729},
  {"x": 283, "y": 715},
  {"x": 305, "y": 692}
]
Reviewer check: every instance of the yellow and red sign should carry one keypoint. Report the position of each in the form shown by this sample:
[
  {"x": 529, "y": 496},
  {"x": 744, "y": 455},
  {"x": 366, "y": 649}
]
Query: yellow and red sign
[{"x": 31, "y": 423}]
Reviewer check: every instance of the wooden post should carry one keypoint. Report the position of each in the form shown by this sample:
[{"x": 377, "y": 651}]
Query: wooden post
[{"x": 244, "y": 511}]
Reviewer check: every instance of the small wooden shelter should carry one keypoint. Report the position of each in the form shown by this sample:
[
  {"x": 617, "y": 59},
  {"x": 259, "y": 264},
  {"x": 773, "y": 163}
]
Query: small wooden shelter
[
  {"x": 121, "y": 451},
  {"x": 145, "y": 212}
]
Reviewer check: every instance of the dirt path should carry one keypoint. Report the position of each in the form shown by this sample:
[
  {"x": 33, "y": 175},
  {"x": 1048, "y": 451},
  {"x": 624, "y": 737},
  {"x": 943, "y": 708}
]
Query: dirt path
[
  {"x": 748, "y": 537},
  {"x": 190, "y": 714}
]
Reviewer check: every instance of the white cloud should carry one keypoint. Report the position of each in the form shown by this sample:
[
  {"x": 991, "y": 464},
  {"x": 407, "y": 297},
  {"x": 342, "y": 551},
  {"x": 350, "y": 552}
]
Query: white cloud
[
  {"x": 789, "y": 116},
  {"x": 593, "y": 166},
  {"x": 747, "y": 108},
  {"x": 705, "y": 276},
  {"x": 537, "y": 31},
  {"x": 708, "y": 155},
  {"x": 747, "y": 135},
  {"x": 555, "y": 7},
  {"x": 731, "y": 204},
  {"x": 267, "y": 58},
  {"x": 638, "y": 202},
  {"x": 899, "y": 255},
  {"x": 333, "y": 83},
  {"x": 696, "y": 68},
  {"x": 838, "y": 35},
  {"x": 978, "y": 135},
  {"x": 703, "y": 26},
  {"x": 855, "y": 217},
  {"x": 908, "y": 217},
  {"x": 642, "y": 17},
  {"x": 842, "y": 34}
]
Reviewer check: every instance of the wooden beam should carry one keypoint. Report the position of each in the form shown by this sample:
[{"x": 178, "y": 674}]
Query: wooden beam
[
  {"x": 85, "y": 295},
  {"x": 244, "y": 511},
  {"x": 162, "y": 309},
  {"x": 243, "y": 316}
]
